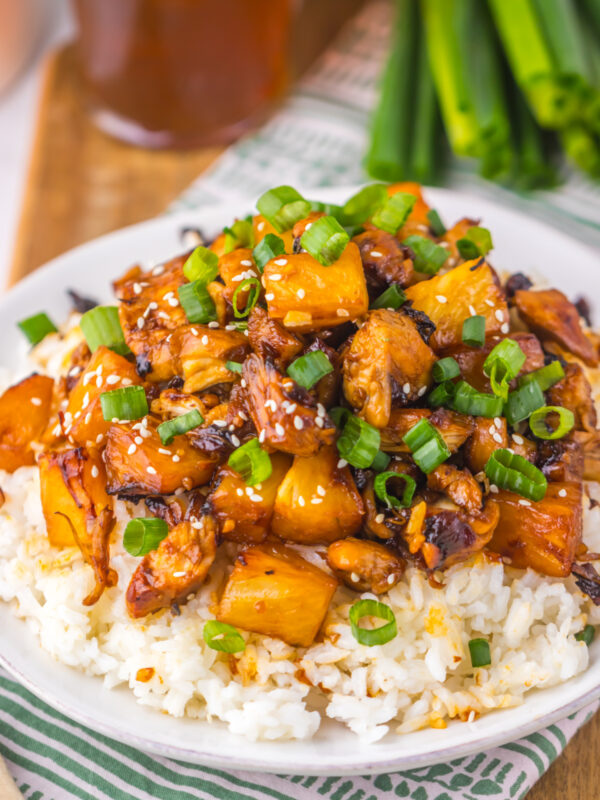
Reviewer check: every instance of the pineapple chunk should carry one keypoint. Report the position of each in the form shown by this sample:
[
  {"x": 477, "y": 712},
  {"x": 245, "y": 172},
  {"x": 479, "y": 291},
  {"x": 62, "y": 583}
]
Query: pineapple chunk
[
  {"x": 202, "y": 353},
  {"x": 24, "y": 414},
  {"x": 487, "y": 436},
  {"x": 273, "y": 591},
  {"x": 317, "y": 501},
  {"x": 262, "y": 227},
  {"x": 543, "y": 535},
  {"x": 307, "y": 296},
  {"x": 449, "y": 298}
]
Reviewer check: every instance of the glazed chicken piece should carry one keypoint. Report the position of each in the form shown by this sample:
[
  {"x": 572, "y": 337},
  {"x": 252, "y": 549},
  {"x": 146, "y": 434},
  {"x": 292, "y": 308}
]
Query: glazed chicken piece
[
  {"x": 317, "y": 502},
  {"x": 384, "y": 260},
  {"x": 455, "y": 535},
  {"x": 137, "y": 463},
  {"x": 78, "y": 510},
  {"x": 590, "y": 444},
  {"x": 285, "y": 415},
  {"x": 274, "y": 591},
  {"x": 177, "y": 568},
  {"x": 24, "y": 413},
  {"x": 172, "y": 403},
  {"x": 203, "y": 352},
  {"x": 83, "y": 419},
  {"x": 450, "y": 298},
  {"x": 459, "y": 485},
  {"x": 269, "y": 339},
  {"x": 554, "y": 318},
  {"x": 543, "y": 535},
  {"x": 454, "y": 428},
  {"x": 471, "y": 359},
  {"x": 235, "y": 267},
  {"x": 365, "y": 566},
  {"x": 149, "y": 310},
  {"x": 306, "y": 296},
  {"x": 387, "y": 364},
  {"x": 243, "y": 513},
  {"x": 487, "y": 437},
  {"x": 575, "y": 393},
  {"x": 561, "y": 459}
]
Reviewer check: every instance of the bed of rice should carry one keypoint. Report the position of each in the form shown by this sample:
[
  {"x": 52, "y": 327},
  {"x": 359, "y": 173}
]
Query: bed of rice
[{"x": 421, "y": 678}]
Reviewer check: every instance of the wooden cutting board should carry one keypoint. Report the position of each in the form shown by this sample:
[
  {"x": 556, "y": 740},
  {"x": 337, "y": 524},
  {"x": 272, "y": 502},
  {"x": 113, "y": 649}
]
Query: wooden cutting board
[{"x": 82, "y": 184}]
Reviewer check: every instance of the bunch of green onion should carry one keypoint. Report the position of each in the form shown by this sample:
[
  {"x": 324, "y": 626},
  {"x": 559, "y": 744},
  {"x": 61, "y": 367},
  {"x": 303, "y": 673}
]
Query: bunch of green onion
[{"x": 511, "y": 81}]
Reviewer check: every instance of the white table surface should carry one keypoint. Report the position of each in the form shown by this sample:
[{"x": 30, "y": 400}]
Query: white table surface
[{"x": 17, "y": 116}]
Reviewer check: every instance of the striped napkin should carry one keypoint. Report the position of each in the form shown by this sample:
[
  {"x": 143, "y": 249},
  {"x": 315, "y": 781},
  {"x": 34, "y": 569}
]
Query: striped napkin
[{"x": 316, "y": 139}]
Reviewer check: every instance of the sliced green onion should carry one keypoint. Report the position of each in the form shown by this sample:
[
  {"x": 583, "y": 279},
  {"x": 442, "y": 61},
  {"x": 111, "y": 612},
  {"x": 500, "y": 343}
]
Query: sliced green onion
[
  {"x": 372, "y": 636},
  {"x": 541, "y": 429},
  {"x": 429, "y": 256},
  {"x": 427, "y": 446},
  {"x": 240, "y": 234},
  {"x": 338, "y": 415},
  {"x": 179, "y": 425},
  {"x": 202, "y": 265},
  {"x": 128, "y": 402},
  {"x": 473, "y": 331},
  {"x": 436, "y": 225},
  {"x": 380, "y": 462},
  {"x": 475, "y": 243},
  {"x": 479, "y": 650},
  {"x": 269, "y": 247},
  {"x": 393, "y": 297},
  {"x": 197, "y": 303},
  {"x": 362, "y": 205},
  {"x": 503, "y": 364},
  {"x": 511, "y": 471},
  {"x": 442, "y": 395},
  {"x": 310, "y": 368},
  {"x": 38, "y": 326},
  {"x": 545, "y": 377},
  {"x": 394, "y": 212},
  {"x": 586, "y": 635},
  {"x": 283, "y": 207},
  {"x": 445, "y": 369},
  {"x": 144, "y": 534},
  {"x": 331, "y": 209},
  {"x": 101, "y": 326},
  {"x": 223, "y": 637},
  {"x": 325, "y": 240},
  {"x": 381, "y": 490},
  {"x": 251, "y": 462},
  {"x": 468, "y": 400},
  {"x": 253, "y": 287},
  {"x": 359, "y": 442},
  {"x": 523, "y": 402},
  {"x": 233, "y": 366}
]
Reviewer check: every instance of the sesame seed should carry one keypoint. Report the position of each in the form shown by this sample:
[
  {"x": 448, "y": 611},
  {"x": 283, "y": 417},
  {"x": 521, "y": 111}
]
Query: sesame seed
[
  {"x": 321, "y": 409},
  {"x": 301, "y": 501},
  {"x": 74, "y": 371},
  {"x": 281, "y": 262},
  {"x": 492, "y": 429},
  {"x": 145, "y": 432},
  {"x": 497, "y": 438},
  {"x": 86, "y": 400},
  {"x": 354, "y": 577},
  {"x": 37, "y": 401},
  {"x": 498, "y": 422},
  {"x": 499, "y": 315},
  {"x": 298, "y": 423},
  {"x": 517, "y": 439},
  {"x": 421, "y": 391},
  {"x": 275, "y": 277},
  {"x": 173, "y": 301},
  {"x": 178, "y": 574},
  {"x": 77, "y": 414},
  {"x": 126, "y": 381},
  {"x": 308, "y": 226},
  {"x": 279, "y": 429},
  {"x": 138, "y": 440},
  {"x": 158, "y": 270},
  {"x": 249, "y": 490},
  {"x": 379, "y": 518},
  {"x": 269, "y": 296},
  {"x": 88, "y": 418},
  {"x": 99, "y": 438},
  {"x": 341, "y": 312},
  {"x": 342, "y": 463},
  {"x": 176, "y": 458},
  {"x": 505, "y": 327},
  {"x": 375, "y": 254},
  {"x": 194, "y": 332},
  {"x": 99, "y": 381},
  {"x": 243, "y": 383},
  {"x": 246, "y": 263},
  {"x": 131, "y": 449},
  {"x": 213, "y": 324},
  {"x": 300, "y": 294},
  {"x": 262, "y": 436},
  {"x": 140, "y": 322},
  {"x": 240, "y": 492},
  {"x": 260, "y": 226},
  {"x": 95, "y": 471},
  {"x": 523, "y": 502},
  {"x": 256, "y": 498},
  {"x": 137, "y": 289},
  {"x": 472, "y": 311},
  {"x": 151, "y": 470},
  {"x": 391, "y": 579},
  {"x": 490, "y": 303},
  {"x": 320, "y": 490},
  {"x": 441, "y": 298},
  {"x": 111, "y": 379},
  {"x": 562, "y": 493},
  {"x": 164, "y": 451},
  {"x": 237, "y": 278},
  {"x": 271, "y": 404},
  {"x": 319, "y": 422},
  {"x": 406, "y": 388},
  {"x": 494, "y": 489},
  {"x": 204, "y": 340},
  {"x": 234, "y": 440},
  {"x": 220, "y": 423},
  {"x": 316, "y": 500}
]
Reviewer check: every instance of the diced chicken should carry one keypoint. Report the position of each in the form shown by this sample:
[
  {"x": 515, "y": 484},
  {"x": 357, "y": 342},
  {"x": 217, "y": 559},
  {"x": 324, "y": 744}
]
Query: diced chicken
[
  {"x": 273, "y": 591},
  {"x": 387, "y": 364},
  {"x": 269, "y": 339},
  {"x": 575, "y": 393},
  {"x": 454, "y": 428},
  {"x": 24, "y": 413},
  {"x": 317, "y": 502},
  {"x": 365, "y": 566},
  {"x": 561, "y": 459},
  {"x": 554, "y": 318},
  {"x": 384, "y": 260},
  {"x": 203, "y": 352},
  {"x": 455, "y": 535},
  {"x": 460, "y": 486},
  {"x": 487, "y": 437},
  {"x": 174, "y": 403}
]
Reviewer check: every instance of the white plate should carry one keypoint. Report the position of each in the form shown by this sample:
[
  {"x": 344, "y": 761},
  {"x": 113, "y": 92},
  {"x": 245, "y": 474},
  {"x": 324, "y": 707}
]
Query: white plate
[{"x": 521, "y": 244}]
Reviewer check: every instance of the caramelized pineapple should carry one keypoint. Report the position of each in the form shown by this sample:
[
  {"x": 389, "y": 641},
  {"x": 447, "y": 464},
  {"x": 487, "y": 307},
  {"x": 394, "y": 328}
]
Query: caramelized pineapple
[
  {"x": 203, "y": 352},
  {"x": 450, "y": 298},
  {"x": 273, "y": 591},
  {"x": 317, "y": 502},
  {"x": 365, "y": 566},
  {"x": 543, "y": 535},
  {"x": 262, "y": 227},
  {"x": 487, "y": 437},
  {"x": 386, "y": 363},
  {"x": 554, "y": 318},
  {"x": 177, "y": 568},
  {"x": 243, "y": 512},
  {"x": 24, "y": 414},
  {"x": 137, "y": 463},
  {"x": 84, "y": 422},
  {"x": 78, "y": 511},
  {"x": 307, "y": 296}
]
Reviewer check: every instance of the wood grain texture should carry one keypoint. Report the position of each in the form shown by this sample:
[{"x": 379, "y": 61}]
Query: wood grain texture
[{"x": 82, "y": 184}]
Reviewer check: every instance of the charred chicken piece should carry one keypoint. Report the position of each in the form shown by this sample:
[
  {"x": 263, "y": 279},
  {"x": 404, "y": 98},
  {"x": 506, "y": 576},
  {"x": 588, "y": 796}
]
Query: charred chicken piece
[
  {"x": 450, "y": 298},
  {"x": 561, "y": 460},
  {"x": 588, "y": 581},
  {"x": 177, "y": 568},
  {"x": 78, "y": 511},
  {"x": 384, "y": 260},
  {"x": 365, "y": 566},
  {"x": 285, "y": 415},
  {"x": 273, "y": 591},
  {"x": 455, "y": 535},
  {"x": 542, "y": 535},
  {"x": 575, "y": 393},
  {"x": 554, "y": 318},
  {"x": 459, "y": 485},
  {"x": 317, "y": 502},
  {"x": 24, "y": 413},
  {"x": 269, "y": 339},
  {"x": 387, "y": 364}
]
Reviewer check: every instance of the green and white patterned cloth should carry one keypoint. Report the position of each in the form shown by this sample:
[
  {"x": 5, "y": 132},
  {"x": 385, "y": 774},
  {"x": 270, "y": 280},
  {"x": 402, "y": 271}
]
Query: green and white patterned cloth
[{"x": 316, "y": 139}]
